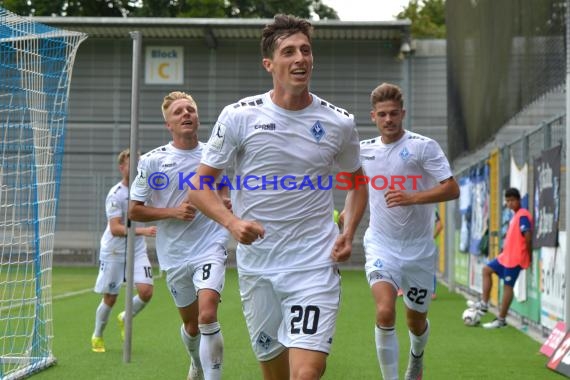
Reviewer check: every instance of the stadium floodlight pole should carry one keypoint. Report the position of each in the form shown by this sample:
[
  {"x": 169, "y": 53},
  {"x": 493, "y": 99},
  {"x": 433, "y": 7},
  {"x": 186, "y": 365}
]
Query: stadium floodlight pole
[
  {"x": 566, "y": 161},
  {"x": 137, "y": 43}
]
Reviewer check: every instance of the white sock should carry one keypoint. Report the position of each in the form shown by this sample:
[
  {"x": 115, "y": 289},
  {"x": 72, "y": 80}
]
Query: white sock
[
  {"x": 418, "y": 343},
  {"x": 101, "y": 318},
  {"x": 387, "y": 351},
  {"x": 192, "y": 344},
  {"x": 138, "y": 305},
  {"x": 211, "y": 350}
]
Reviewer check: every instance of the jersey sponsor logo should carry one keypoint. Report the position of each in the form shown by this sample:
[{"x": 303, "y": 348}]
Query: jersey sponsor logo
[
  {"x": 265, "y": 127},
  {"x": 264, "y": 340},
  {"x": 405, "y": 154},
  {"x": 318, "y": 131},
  {"x": 378, "y": 263},
  {"x": 168, "y": 165},
  {"x": 368, "y": 158},
  {"x": 366, "y": 142},
  {"x": 216, "y": 141}
]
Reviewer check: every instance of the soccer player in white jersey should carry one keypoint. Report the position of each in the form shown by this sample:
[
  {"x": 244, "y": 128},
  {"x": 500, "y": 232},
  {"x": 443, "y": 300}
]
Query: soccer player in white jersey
[
  {"x": 190, "y": 246},
  {"x": 408, "y": 173},
  {"x": 288, "y": 245},
  {"x": 112, "y": 257}
]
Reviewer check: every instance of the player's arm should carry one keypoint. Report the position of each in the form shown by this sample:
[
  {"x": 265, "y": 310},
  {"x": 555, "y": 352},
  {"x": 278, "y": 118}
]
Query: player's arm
[
  {"x": 446, "y": 190},
  {"x": 224, "y": 194},
  {"x": 117, "y": 228},
  {"x": 528, "y": 242},
  {"x": 354, "y": 207},
  {"x": 437, "y": 228},
  {"x": 206, "y": 199},
  {"x": 525, "y": 227},
  {"x": 140, "y": 212}
]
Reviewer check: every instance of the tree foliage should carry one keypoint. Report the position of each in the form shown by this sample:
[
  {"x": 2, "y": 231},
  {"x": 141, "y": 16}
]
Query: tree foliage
[
  {"x": 171, "y": 8},
  {"x": 427, "y": 17},
  {"x": 99, "y": 8}
]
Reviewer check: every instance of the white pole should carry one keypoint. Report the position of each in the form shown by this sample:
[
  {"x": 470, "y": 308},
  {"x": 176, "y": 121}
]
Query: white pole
[
  {"x": 450, "y": 244},
  {"x": 137, "y": 42},
  {"x": 567, "y": 208}
]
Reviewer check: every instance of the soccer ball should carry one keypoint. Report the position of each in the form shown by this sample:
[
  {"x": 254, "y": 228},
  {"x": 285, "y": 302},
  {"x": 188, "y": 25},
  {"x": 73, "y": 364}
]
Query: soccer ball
[{"x": 471, "y": 317}]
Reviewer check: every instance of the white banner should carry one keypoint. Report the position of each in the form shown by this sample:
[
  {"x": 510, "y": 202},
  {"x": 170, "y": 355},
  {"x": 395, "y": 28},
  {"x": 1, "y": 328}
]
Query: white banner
[
  {"x": 476, "y": 265},
  {"x": 552, "y": 283}
]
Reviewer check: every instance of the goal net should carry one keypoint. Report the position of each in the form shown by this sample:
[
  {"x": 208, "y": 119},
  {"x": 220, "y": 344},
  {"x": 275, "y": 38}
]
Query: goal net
[{"x": 35, "y": 69}]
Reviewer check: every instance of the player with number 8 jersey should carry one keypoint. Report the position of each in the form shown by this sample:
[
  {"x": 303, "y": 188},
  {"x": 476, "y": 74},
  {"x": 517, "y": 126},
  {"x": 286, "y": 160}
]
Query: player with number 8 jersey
[{"x": 190, "y": 246}]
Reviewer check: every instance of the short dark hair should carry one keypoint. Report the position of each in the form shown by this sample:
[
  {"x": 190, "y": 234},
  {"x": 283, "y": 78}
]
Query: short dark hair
[
  {"x": 513, "y": 193},
  {"x": 282, "y": 26}
]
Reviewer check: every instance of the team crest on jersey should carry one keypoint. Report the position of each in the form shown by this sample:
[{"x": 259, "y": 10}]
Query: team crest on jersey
[
  {"x": 405, "y": 154},
  {"x": 378, "y": 264},
  {"x": 264, "y": 340},
  {"x": 318, "y": 131},
  {"x": 216, "y": 141}
]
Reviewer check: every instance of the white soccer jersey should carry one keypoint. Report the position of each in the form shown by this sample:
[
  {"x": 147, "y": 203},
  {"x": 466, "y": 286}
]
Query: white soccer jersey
[
  {"x": 413, "y": 163},
  {"x": 282, "y": 149},
  {"x": 177, "y": 241},
  {"x": 114, "y": 248}
]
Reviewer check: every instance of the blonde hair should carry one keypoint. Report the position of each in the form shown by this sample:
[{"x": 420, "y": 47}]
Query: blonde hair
[
  {"x": 175, "y": 95},
  {"x": 123, "y": 156},
  {"x": 387, "y": 92}
]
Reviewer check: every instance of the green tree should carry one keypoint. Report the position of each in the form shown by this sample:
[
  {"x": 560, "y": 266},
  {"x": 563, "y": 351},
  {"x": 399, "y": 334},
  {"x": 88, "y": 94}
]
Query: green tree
[
  {"x": 180, "y": 8},
  {"x": 268, "y": 8},
  {"x": 427, "y": 17},
  {"x": 17, "y": 6},
  {"x": 99, "y": 8},
  {"x": 171, "y": 8}
]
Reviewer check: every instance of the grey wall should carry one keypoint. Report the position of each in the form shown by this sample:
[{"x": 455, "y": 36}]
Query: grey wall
[{"x": 98, "y": 125}]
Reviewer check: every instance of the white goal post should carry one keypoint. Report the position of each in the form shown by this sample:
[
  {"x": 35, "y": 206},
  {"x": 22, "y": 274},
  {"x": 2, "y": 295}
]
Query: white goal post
[{"x": 35, "y": 69}]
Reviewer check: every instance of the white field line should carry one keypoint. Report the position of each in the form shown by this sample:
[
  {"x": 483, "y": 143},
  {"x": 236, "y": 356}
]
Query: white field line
[{"x": 61, "y": 296}]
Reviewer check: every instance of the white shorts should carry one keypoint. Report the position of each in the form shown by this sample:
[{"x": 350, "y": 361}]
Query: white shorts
[
  {"x": 208, "y": 272},
  {"x": 415, "y": 277},
  {"x": 293, "y": 310},
  {"x": 112, "y": 275}
]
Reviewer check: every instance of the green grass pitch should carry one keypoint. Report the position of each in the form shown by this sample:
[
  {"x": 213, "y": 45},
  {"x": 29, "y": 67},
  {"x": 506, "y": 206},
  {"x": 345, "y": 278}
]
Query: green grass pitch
[{"x": 453, "y": 352}]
